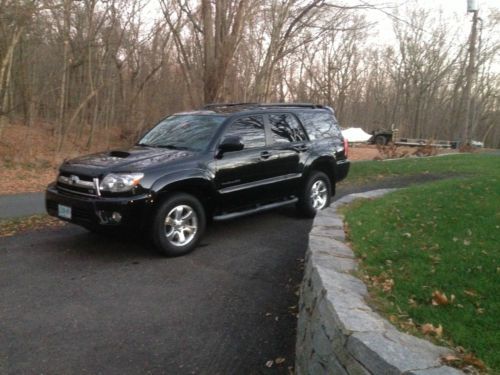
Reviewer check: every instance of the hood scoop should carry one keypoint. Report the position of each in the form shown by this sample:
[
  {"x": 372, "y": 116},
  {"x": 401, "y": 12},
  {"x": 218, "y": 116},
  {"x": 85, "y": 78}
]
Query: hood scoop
[{"x": 119, "y": 154}]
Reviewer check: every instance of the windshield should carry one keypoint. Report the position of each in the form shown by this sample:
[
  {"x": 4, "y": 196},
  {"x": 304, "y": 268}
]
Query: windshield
[{"x": 183, "y": 132}]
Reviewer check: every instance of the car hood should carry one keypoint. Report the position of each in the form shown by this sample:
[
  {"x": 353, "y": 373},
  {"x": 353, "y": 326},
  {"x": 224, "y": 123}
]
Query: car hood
[{"x": 137, "y": 158}]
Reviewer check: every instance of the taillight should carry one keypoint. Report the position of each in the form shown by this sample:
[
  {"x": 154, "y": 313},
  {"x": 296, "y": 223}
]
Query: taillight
[{"x": 346, "y": 147}]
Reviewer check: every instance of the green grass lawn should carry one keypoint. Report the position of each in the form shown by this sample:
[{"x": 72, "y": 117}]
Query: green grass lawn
[
  {"x": 443, "y": 236},
  {"x": 459, "y": 164}
]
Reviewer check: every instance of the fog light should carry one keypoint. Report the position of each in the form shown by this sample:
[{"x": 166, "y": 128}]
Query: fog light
[{"x": 116, "y": 217}]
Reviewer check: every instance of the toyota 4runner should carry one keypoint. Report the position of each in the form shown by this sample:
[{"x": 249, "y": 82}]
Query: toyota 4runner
[{"x": 221, "y": 162}]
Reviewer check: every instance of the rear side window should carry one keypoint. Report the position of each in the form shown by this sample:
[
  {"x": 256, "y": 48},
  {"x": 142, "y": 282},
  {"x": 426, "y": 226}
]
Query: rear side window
[
  {"x": 250, "y": 129},
  {"x": 320, "y": 125},
  {"x": 285, "y": 128}
]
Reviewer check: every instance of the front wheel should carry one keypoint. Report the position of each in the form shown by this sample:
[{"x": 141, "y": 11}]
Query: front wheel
[
  {"x": 316, "y": 194},
  {"x": 178, "y": 225}
]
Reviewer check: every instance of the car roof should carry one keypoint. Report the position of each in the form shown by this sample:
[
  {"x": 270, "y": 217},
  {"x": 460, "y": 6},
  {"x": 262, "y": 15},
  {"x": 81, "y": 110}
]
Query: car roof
[{"x": 228, "y": 109}]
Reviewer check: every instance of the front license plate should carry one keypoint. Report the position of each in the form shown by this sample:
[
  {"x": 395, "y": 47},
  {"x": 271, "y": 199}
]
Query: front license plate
[{"x": 64, "y": 211}]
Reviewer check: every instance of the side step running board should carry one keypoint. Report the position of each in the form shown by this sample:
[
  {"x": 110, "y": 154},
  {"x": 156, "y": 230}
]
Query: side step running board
[{"x": 266, "y": 207}]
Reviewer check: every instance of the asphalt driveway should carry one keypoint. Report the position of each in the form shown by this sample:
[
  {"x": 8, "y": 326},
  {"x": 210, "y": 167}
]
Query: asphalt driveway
[{"x": 77, "y": 303}]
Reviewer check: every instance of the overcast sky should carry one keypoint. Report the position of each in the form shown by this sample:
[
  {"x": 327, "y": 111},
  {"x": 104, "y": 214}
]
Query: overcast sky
[{"x": 453, "y": 11}]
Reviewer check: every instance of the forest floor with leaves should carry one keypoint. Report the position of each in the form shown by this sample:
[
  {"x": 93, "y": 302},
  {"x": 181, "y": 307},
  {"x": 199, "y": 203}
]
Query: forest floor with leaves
[
  {"x": 431, "y": 260},
  {"x": 29, "y": 159}
]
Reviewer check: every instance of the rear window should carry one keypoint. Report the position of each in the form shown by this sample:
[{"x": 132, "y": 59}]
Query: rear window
[
  {"x": 320, "y": 125},
  {"x": 285, "y": 128}
]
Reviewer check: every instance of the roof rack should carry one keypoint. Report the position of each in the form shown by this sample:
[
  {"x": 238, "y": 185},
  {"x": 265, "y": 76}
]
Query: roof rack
[
  {"x": 264, "y": 105},
  {"x": 215, "y": 105},
  {"x": 293, "y": 105}
]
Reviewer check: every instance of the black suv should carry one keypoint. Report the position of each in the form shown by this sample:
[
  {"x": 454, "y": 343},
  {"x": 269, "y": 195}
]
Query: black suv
[{"x": 218, "y": 163}]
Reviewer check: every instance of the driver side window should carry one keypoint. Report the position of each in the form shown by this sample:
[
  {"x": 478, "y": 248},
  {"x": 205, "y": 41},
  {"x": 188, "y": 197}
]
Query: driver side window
[{"x": 250, "y": 129}]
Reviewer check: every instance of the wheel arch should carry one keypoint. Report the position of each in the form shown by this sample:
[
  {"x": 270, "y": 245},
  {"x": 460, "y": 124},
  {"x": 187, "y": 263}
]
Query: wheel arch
[
  {"x": 325, "y": 164},
  {"x": 199, "y": 187}
]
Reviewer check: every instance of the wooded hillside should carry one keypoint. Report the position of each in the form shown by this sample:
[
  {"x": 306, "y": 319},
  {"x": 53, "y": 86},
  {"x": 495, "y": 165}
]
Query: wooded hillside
[{"x": 95, "y": 66}]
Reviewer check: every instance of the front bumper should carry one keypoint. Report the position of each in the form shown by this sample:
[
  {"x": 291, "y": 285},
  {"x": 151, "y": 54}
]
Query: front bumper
[{"x": 92, "y": 211}]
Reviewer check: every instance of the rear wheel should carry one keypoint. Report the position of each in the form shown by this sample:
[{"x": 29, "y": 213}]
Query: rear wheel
[
  {"x": 316, "y": 194},
  {"x": 179, "y": 224}
]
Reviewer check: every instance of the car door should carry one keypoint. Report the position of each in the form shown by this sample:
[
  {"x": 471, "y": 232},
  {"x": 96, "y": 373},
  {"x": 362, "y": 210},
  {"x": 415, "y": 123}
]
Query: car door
[
  {"x": 288, "y": 141},
  {"x": 242, "y": 177}
]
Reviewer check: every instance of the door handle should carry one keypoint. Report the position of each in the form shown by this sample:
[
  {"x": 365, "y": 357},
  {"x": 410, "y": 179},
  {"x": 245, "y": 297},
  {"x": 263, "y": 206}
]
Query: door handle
[
  {"x": 300, "y": 148},
  {"x": 265, "y": 155}
]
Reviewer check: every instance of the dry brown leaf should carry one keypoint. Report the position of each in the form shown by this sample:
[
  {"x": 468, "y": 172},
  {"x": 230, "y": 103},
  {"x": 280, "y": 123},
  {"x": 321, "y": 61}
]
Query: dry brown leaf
[
  {"x": 450, "y": 358},
  {"x": 470, "y": 293},
  {"x": 387, "y": 285},
  {"x": 409, "y": 324},
  {"x": 429, "y": 328},
  {"x": 439, "y": 298},
  {"x": 471, "y": 359},
  {"x": 279, "y": 360}
]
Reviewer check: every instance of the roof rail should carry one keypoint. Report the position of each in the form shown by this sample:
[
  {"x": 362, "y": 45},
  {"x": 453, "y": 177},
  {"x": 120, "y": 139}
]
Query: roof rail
[
  {"x": 264, "y": 105},
  {"x": 300, "y": 105},
  {"x": 214, "y": 105}
]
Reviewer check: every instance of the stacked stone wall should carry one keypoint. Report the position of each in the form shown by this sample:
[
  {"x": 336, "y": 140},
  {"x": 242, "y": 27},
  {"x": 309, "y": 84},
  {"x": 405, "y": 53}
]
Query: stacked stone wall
[{"x": 338, "y": 333}]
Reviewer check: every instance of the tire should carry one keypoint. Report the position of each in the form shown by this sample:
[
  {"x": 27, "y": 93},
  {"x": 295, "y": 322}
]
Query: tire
[
  {"x": 316, "y": 194},
  {"x": 380, "y": 140},
  {"x": 178, "y": 224}
]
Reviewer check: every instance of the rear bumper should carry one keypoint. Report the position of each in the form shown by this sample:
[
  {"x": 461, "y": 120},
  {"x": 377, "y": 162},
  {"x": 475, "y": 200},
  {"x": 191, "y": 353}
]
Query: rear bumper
[
  {"x": 92, "y": 211},
  {"x": 342, "y": 169}
]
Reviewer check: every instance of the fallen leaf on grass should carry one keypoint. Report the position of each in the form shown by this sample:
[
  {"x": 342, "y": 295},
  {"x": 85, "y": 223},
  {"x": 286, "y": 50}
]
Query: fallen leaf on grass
[
  {"x": 439, "y": 298},
  {"x": 450, "y": 359},
  {"x": 470, "y": 292},
  {"x": 269, "y": 363},
  {"x": 471, "y": 359},
  {"x": 279, "y": 360},
  {"x": 388, "y": 285},
  {"x": 429, "y": 328},
  {"x": 408, "y": 325}
]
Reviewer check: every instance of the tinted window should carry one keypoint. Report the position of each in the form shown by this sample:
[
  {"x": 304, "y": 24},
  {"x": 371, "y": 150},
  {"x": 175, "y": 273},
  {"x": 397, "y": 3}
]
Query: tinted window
[
  {"x": 286, "y": 128},
  {"x": 192, "y": 132},
  {"x": 320, "y": 125},
  {"x": 250, "y": 129}
]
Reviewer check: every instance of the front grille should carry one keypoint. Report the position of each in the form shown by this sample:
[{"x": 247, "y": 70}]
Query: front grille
[
  {"x": 78, "y": 184},
  {"x": 82, "y": 214}
]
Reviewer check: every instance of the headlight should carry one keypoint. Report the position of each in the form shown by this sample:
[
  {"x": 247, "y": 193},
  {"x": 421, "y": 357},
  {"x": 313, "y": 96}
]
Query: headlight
[{"x": 119, "y": 183}]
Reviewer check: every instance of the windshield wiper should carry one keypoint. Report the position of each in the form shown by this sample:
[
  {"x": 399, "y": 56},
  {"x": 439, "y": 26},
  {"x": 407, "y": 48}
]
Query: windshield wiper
[
  {"x": 173, "y": 147},
  {"x": 170, "y": 147}
]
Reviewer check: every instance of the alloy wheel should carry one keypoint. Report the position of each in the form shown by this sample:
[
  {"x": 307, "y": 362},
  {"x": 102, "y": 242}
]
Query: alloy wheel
[
  {"x": 181, "y": 225},
  {"x": 319, "y": 195}
]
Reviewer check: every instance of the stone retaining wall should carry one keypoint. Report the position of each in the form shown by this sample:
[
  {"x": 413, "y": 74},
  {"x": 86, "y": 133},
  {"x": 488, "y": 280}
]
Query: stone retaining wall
[{"x": 338, "y": 333}]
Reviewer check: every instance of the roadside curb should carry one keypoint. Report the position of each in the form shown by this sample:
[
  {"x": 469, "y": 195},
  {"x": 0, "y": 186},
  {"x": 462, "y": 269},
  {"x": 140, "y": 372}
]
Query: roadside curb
[{"x": 337, "y": 332}]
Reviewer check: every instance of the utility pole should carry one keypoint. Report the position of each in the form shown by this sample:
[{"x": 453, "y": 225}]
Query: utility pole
[{"x": 470, "y": 75}]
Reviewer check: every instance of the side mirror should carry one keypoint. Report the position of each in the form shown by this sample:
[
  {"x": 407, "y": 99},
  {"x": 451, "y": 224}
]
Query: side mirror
[{"x": 231, "y": 143}]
